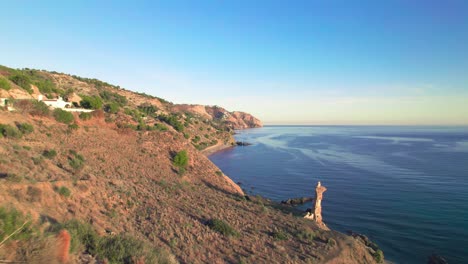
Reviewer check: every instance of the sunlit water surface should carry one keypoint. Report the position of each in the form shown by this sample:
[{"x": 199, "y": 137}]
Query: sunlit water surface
[{"x": 404, "y": 187}]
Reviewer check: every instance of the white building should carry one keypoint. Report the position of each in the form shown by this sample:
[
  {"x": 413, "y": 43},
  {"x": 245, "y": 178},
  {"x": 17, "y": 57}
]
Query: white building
[
  {"x": 60, "y": 103},
  {"x": 55, "y": 103}
]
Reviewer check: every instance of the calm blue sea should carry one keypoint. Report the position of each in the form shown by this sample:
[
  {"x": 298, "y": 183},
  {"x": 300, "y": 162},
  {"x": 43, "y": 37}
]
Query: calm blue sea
[{"x": 404, "y": 187}]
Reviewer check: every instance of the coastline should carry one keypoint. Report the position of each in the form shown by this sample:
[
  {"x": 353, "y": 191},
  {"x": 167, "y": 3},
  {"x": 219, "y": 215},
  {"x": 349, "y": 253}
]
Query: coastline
[{"x": 216, "y": 148}]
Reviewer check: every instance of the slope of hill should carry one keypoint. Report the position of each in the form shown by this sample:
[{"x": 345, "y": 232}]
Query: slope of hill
[{"x": 132, "y": 176}]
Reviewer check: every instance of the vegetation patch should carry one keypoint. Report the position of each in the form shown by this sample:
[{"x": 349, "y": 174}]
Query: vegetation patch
[
  {"x": 279, "y": 235},
  {"x": 25, "y": 128},
  {"x": 49, "y": 154},
  {"x": 62, "y": 190},
  {"x": 10, "y": 131},
  {"x": 4, "y": 84},
  {"x": 22, "y": 81},
  {"x": 14, "y": 223},
  {"x": 32, "y": 107},
  {"x": 63, "y": 116},
  {"x": 85, "y": 116},
  {"x": 181, "y": 159},
  {"x": 91, "y": 102},
  {"x": 76, "y": 160},
  {"x": 222, "y": 227}
]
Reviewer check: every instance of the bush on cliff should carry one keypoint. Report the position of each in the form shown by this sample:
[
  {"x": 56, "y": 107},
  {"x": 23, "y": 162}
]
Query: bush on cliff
[
  {"x": 4, "y": 84},
  {"x": 22, "y": 81},
  {"x": 25, "y": 128},
  {"x": 91, "y": 102},
  {"x": 32, "y": 107},
  {"x": 9, "y": 131},
  {"x": 222, "y": 227},
  {"x": 63, "y": 116},
  {"x": 181, "y": 159}
]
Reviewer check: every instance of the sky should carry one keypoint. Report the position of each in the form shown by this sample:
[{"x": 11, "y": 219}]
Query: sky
[{"x": 286, "y": 62}]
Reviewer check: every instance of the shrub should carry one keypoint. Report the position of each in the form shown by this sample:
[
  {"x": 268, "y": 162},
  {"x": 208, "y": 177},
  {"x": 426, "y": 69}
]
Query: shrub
[
  {"x": 331, "y": 242},
  {"x": 160, "y": 127},
  {"x": 63, "y": 116},
  {"x": 111, "y": 108},
  {"x": 45, "y": 86},
  {"x": 222, "y": 227},
  {"x": 76, "y": 161},
  {"x": 181, "y": 159},
  {"x": 83, "y": 235},
  {"x": 50, "y": 154},
  {"x": 306, "y": 234},
  {"x": 10, "y": 221},
  {"x": 32, "y": 107},
  {"x": 4, "y": 84},
  {"x": 10, "y": 131},
  {"x": 173, "y": 121},
  {"x": 64, "y": 191},
  {"x": 85, "y": 116},
  {"x": 120, "y": 100},
  {"x": 219, "y": 173},
  {"x": 123, "y": 249},
  {"x": 91, "y": 102},
  {"x": 73, "y": 126},
  {"x": 25, "y": 128},
  {"x": 22, "y": 81},
  {"x": 378, "y": 256},
  {"x": 279, "y": 235}
]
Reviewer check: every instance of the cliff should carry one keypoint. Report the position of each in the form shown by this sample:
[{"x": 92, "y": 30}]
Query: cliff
[
  {"x": 233, "y": 120},
  {"x": 129, "y": 184}
]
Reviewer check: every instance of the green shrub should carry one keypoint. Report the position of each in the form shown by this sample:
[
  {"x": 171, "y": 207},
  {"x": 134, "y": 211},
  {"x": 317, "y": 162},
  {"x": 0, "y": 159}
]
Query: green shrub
[
  {"x": 11, "y": 177},
  {"x": 186, "y": 136},
  {"x": 160, "y": 127},
  {"x": 331, "y": 242},
  {"x": 46, "y": 86},
  {"x": 219, "y": 173},
  {"x": 222, "y": 227},
  {"x": 64, "y": 191},
  {"x": 111, "y": 108},
  {"x": 25, "y": 128},
  {"x": 10, "y": 131},
  {"x": 120, "y": 100},
  {"x": 123, "y": 249},
  {"x": 49, "y": 154},
  {"x": 85, "y": 116},
  {"x": 22, "y": 81},
  {"x": 306, "y": 234},
  {"x": 32, "y": 107},
  {"x": 173, "y": 121},
  {"x": 10, "y": 221},
  {"x": 280, "y": 235},
  {"x": 63, "y": 116},
  {"x": 4, "y": 84},
  {"x": 83, "y": 236},
  {"x": 73, "y": 126},
  {"x": 76, "y": 161},
  {"x": 181, "y": 159},
  {"x": 91, "y": 102},
  {"x": 378, "y": 256}
]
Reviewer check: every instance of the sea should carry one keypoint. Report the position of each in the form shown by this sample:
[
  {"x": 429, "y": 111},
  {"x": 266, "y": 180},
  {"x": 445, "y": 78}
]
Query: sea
[{"x": 405, "y": 187}]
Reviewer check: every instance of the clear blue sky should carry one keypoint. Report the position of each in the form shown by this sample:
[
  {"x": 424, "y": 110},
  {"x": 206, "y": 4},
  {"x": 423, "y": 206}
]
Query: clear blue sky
[{"x": 315, "y": 62}]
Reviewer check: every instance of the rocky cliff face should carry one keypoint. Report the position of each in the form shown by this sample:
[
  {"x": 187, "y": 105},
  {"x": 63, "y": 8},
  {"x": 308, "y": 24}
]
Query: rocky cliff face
[{"x": 233, "y": 120}]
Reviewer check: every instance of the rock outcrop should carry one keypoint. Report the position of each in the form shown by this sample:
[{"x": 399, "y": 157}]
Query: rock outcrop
[
  {"x": 315, "y": 213},
  {"x": 234, "y": 120}
]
